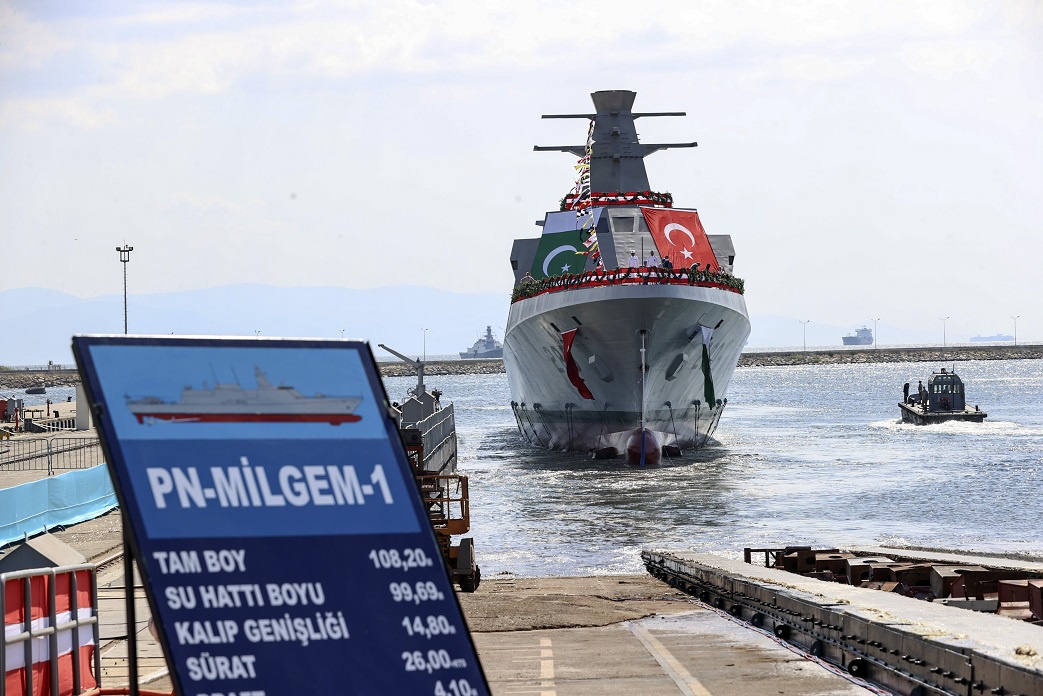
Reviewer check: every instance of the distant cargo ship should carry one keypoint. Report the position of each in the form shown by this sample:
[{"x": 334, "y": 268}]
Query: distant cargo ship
[
  {"x": 992, "y": 339},
  {"x": 231, "y": 403},
  {"x": 861, "y": 337}
]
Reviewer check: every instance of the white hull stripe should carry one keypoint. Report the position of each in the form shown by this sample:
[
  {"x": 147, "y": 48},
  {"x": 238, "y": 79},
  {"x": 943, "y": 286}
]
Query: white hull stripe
[{"x": 15, "y": 653}]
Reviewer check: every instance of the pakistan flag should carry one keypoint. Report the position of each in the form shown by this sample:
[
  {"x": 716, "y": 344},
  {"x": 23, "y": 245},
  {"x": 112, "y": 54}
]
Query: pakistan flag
[{"x": 561, "y": 246}]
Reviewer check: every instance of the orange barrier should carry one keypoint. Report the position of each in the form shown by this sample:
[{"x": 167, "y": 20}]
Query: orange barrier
[{"x": 50, "y": 631}]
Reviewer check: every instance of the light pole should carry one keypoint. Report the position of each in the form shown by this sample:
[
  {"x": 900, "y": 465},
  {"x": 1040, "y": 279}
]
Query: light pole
[
  {"x": 874, "y": 331},
  {"x": 425, "y": 344},
  {"x": 1015, "y": 330},
  {"x": 805, "y": 327},
  {"x": 125, "y": 259},
  {"x": 342, "y": 333},
  {"x": 257, "y": 333},
  {"x": 943, "y": 320}
]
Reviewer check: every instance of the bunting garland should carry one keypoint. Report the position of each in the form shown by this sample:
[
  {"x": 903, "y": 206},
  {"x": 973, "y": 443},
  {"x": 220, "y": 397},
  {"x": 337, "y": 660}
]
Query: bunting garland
[
  {"x": 579, "y": 198},
  {"x": 603, "y": 198}
]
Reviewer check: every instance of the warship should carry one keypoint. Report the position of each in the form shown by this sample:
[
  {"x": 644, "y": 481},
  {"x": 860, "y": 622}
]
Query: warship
[
  {"x": 612, "y": 353},
  {"x": 485, "y": 347},
  {"x": 232, "y": 403}
]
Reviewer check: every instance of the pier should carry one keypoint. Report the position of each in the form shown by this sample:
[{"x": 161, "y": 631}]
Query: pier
[{"x": 902, "y": 644}]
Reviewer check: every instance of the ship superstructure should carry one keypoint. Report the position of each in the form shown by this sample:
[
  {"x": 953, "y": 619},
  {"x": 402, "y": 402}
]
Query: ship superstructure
[{"x": 626, "y": 322}]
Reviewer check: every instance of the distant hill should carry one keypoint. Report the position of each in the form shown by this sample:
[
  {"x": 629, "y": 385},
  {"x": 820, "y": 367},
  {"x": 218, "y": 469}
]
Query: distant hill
[{"x": 38, "y": 324}]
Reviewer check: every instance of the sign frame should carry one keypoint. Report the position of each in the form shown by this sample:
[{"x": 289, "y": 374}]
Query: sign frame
[{"x": 170, "y": 520}]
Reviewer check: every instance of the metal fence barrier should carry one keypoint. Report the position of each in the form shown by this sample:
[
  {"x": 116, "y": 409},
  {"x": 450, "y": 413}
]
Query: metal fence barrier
[
  {"x": 50, "y": 455},
  {"x": 46, "y": 639}
]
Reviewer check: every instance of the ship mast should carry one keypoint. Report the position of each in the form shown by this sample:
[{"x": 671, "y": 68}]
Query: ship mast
[{"x": 617, "y": 156}]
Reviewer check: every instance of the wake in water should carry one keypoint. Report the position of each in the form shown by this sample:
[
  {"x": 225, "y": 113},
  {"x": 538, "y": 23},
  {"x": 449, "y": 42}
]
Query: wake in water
[{"x": 985, "y": 428}]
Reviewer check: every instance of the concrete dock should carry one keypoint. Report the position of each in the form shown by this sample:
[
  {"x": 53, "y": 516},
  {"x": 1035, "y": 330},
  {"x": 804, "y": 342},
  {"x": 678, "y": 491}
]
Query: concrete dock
[
  {"x": 906, "y": 645},
  {"x": 607, "y": 635}
]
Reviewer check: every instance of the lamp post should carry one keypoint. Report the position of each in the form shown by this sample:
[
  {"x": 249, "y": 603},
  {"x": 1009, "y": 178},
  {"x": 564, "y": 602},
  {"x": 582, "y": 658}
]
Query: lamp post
[
  {"x": 257, "y": 333},
  {"x": 425, "y": 344},
  {"x": 1015, "y": 330},
  {"x": 805, "y": 328},
  {"x": 943, "y": 320},
  {"x": 125, "y": 259},
  {"x": 874, "y": 331},
  {"x": 342, "y": 333}
]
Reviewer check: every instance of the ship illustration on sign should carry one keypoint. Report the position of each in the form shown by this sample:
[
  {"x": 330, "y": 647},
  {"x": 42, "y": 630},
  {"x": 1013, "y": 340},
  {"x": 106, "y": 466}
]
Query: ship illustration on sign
[{"x": 231, "y": 403}]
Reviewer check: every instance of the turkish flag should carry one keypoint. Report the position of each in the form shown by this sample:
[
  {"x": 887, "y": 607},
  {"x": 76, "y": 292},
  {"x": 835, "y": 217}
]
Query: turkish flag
[
  {"x": 571, "y": 368},
  {"x": 680, "y": 235}
]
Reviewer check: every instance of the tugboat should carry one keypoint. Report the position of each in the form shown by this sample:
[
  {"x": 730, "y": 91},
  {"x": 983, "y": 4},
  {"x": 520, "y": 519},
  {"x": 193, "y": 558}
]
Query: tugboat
[
  {"x": 942, "y": 400},
  {"x": 485, "y": 347}
]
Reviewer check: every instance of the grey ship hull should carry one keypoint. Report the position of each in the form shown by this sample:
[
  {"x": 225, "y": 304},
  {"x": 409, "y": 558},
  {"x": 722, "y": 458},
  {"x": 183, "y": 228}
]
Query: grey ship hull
[{"x": 550, "y": 411}]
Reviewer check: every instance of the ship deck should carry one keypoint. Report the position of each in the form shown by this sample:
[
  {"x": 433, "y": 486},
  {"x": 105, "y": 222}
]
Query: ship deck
[{"x": 921, "y": 416}]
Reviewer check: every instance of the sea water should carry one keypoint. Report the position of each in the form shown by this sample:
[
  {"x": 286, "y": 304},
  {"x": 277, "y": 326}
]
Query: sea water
[{"x": 812, "y": 455}]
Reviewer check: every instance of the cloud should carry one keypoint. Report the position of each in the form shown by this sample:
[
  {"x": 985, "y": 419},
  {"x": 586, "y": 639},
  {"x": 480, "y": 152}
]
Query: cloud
[
  {"x": 948, "y": 60},
  {"x": 33, "y": 114},
  {"x": 159, "y": 51}
]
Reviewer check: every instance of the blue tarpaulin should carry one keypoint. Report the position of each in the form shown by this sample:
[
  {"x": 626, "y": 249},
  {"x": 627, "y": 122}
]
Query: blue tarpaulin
[{"x": 66, "y": 499}]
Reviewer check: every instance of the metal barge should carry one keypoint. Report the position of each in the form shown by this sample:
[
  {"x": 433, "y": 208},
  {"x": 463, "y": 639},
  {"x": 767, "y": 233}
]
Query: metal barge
[
  {"x": 944, "y": 399},
  {"x": 428, "y": 432},
  {"x": 907, "y": 646}
]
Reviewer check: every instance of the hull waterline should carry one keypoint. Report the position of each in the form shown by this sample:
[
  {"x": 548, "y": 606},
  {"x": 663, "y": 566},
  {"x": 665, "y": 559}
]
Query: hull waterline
[{"x": 669, "y": 400}]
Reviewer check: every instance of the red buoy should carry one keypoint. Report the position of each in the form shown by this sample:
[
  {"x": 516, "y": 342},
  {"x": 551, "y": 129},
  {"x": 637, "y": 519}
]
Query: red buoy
[{"x": 652, "y": 450}]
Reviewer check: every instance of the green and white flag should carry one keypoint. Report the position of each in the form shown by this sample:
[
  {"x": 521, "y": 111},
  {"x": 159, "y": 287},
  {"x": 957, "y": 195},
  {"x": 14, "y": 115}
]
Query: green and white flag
[{"x": 562, "y": 248}]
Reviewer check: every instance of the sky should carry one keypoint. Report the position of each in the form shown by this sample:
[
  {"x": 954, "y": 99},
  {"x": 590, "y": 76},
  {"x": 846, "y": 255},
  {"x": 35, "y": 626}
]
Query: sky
[{"x": 870, "y": 160}]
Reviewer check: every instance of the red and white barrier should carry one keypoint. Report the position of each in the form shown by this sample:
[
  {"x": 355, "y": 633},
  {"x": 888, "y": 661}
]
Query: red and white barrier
[{"x": 57, "y": 651}]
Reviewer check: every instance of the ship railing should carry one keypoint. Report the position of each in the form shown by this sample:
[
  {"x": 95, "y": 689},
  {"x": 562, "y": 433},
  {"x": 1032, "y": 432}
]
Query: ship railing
[
  {"x": 51, "y": 454},
  {"x": 439, "y": 436},
  {"x": 447, "y": 501},
  {"x": 629, "y": 276},
  {"x": 596, "y": 199}
]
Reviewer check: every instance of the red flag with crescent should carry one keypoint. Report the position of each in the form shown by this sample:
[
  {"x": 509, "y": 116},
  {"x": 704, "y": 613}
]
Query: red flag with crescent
[
  {"x": 680, "y": 235},
  {"x": 571, "y": 369}
]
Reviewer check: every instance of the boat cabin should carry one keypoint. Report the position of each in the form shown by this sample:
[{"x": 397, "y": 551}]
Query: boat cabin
[{"x": 945, "y": 392}]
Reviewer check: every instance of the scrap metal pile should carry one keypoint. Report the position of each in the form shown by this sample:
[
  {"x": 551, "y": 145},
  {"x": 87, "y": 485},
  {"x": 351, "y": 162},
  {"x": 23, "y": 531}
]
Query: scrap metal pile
[{"x": 1017, "y": 594}]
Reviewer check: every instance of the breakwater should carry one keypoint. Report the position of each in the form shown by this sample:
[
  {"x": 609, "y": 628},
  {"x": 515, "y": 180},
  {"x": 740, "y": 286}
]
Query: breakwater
[
  {"x": 23, "y": 379},
  {"x": 849, "y": 356}
]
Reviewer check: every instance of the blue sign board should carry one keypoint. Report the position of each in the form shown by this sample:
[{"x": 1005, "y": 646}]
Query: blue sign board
[{"x": 275, "y": 519}]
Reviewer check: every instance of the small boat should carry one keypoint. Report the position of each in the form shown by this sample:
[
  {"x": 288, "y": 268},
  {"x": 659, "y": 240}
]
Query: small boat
[
  {"x": 943, "y": 399},
  {"x": 36, "y": 390},
  {"x": 861, "y": 337},
  {"x": 485, "y": 347},
  {"x": 995, "y": 338}
]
